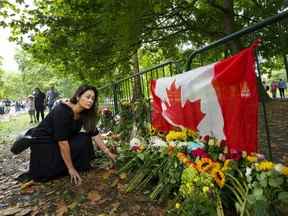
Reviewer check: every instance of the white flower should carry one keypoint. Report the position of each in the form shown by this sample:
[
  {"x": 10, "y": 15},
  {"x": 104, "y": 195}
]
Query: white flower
[
  {"x": 248, "y": 171},
  {"x": 156, "y": 141},
  {"x": 279, "y": 167},
  {"x": 135, "y": 142}
]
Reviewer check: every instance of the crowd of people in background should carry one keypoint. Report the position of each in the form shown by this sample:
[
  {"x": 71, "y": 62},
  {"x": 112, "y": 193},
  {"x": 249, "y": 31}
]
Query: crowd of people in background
[
  {"x": 35, "y": 104},
  {"x": 275, "y": 86}
]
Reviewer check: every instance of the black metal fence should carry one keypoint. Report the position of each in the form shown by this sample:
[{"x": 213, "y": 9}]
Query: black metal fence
[{"x": 122, "y": 89}]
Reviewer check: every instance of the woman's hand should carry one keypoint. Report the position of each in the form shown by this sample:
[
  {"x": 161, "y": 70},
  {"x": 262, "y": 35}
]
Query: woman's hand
[
  {"x": 103, "y": 147},
  {"x": 75, "y": 177}
]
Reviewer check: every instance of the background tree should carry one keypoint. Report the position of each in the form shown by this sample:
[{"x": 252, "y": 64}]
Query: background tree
[{"x": 94, "y": 40}]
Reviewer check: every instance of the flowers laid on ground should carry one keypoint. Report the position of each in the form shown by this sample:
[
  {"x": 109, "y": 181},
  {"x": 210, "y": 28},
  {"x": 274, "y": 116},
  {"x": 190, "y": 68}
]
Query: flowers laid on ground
[{"x": 202, "y": 177}]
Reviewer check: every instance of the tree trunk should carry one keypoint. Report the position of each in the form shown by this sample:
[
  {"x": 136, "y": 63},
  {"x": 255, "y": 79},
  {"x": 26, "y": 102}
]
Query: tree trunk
[
  {"x": 137, "y": 93},
  {"x": 286, "y": 65},
  {"x": 229, "y": 24}
]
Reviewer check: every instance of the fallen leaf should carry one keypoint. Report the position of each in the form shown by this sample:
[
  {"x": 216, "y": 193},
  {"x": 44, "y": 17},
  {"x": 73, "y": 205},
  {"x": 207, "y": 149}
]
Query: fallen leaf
[
  {"x": 28, "y": 190},
  {"x": 94, "y": 196},
  {"x": 26, "y": 185},
  {"x": 10, "y": 211},
  {"x": 49, "y": 193},
  {"x": 23, "y": 212},
  {"x": 35, "y": 211},
  {"x": 72, "y": 205},
  {"x": 115, "y": 182},
  {"x": 115, "y": 207},
  {"x": 123, "y": 176},
  {"x": 121, "y": 188},
  {"x": 61, "y": 208},
  {"x": 107, "y": 173}
]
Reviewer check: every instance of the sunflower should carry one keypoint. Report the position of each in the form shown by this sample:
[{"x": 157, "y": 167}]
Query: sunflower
[
  {"x": 217, "y": 165},
  {"x": 219, "y": 177},
  {"x": 204, "y": 164}
]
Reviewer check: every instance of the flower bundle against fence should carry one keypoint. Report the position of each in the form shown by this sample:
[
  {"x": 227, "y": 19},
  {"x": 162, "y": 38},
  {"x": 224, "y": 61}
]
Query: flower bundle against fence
[{"x": 200, "y": 177}]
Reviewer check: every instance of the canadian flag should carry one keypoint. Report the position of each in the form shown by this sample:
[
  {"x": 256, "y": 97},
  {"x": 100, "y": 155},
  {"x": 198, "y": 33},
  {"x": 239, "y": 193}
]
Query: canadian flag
[{"x": 218, "y": 100}]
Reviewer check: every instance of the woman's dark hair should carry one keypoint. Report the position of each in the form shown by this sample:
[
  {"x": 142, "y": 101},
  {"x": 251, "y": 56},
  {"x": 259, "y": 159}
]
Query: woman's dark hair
[{"x": 89, "y": 117}]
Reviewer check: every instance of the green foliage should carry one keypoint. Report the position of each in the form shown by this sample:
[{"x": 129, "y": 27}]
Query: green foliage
[
  {"x": 91, "y": 40},
  {"x": 94, "y": 41}
]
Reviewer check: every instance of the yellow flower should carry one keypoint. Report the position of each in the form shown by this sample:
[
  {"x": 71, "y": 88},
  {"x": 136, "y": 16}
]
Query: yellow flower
[
  {"x": 192, "y": 134},
  {"x": 219, "y": 177},
  {"x": 204, "y": 165},
  {"x": 178, "y": 205},
  {"x": 216, "y": 165},
  {"x": 251, "y": 158},
  {"x": 205, "y": 189},
  {"x": 153, "y": 131},
  {"x": 176, "y": 135},
  {"x": 264, "y": 165},
  {"x": 226, "y": 165},
  {"x": 285, "y": 171}
]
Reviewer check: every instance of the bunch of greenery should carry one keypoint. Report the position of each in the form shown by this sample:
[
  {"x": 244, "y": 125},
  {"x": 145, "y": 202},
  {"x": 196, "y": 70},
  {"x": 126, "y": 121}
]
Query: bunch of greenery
[{"x": 157, "y": 172}]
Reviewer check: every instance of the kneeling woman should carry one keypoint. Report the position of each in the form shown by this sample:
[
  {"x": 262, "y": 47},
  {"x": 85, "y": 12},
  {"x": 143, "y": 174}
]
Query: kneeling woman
[{"x": 57, "y": 146}]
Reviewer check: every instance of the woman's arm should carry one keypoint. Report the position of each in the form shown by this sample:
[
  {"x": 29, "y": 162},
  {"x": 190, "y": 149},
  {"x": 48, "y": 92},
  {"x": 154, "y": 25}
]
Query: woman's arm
[
  {"x": 99, "y": 142},
  {"x": 66, "y": 155}
]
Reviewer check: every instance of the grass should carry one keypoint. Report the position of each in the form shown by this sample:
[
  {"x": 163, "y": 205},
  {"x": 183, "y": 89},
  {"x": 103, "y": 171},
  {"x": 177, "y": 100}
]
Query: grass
[{"x": 13, "y": 126}]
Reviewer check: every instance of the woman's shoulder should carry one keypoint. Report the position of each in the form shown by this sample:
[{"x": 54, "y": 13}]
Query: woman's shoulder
[{"x": 63, "y": 108}]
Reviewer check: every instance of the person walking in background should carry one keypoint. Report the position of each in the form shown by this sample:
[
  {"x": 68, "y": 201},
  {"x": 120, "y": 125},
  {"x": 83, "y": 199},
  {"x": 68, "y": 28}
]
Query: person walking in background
[
  {"x": 39, "y": 99},
  {"x": 31, "y": 108},
  {"x": 52, "y": 96},
  {"x": 282, "y": 87},
  {"x": 274, "y": 86}
]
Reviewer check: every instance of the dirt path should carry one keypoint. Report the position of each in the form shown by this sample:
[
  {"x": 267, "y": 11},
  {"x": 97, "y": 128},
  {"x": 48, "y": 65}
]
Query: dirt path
[{"x": 102, "y": 193}]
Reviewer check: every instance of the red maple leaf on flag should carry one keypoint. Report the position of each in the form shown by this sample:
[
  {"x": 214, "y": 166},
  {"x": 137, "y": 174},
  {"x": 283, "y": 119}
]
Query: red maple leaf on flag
[{"x": 187, "y": 116}]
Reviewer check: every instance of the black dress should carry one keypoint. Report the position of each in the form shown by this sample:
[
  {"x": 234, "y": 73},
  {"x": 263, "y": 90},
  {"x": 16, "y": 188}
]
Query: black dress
[{"x": 46, "y": 161}]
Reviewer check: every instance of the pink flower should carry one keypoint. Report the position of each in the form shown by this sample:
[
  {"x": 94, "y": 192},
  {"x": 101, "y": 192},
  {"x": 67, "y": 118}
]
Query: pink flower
[
  {"x": 135, "y": 148},
  {"x": 199, "y": 153},
  {"x": 234, "y": 155}
]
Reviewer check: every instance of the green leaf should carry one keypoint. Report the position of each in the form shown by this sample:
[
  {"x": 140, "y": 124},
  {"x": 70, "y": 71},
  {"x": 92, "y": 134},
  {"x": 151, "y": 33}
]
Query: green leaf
[
  {"x": 251, "y": 199},
  {"x": 275, "y": 181},
  {"x": 283, "y": 196},
  {"x": 261, "y": 208},
  {"x": 258, "y": 193},
  {"x": 141, "y": 156}
]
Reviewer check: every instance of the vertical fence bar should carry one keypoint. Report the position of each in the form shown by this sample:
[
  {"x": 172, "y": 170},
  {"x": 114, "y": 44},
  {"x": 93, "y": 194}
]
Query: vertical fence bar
[
  {"x": 262, "y": 98},
  {"x": 115, "y": 98}
]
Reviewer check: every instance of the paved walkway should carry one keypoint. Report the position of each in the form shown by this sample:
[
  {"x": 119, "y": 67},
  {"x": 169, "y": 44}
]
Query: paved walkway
[{"x": 277, "y": 116}]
